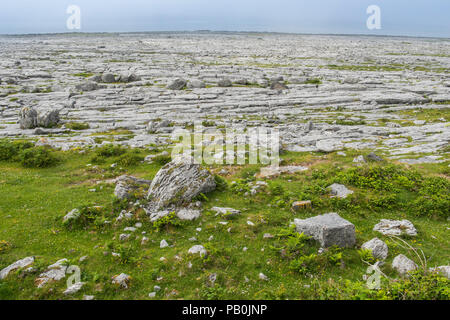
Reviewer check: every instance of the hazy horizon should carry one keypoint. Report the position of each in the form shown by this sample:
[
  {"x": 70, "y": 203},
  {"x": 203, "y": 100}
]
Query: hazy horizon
[{"x": 414, "y": 18}]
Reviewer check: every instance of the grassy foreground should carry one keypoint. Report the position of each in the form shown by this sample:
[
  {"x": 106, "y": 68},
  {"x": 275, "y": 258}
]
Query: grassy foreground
[{"x": 34, "y": 200}]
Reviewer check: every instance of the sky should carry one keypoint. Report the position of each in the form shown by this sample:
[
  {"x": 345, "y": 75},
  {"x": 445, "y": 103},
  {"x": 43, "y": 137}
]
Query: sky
[{"x": 428, "y": 18}]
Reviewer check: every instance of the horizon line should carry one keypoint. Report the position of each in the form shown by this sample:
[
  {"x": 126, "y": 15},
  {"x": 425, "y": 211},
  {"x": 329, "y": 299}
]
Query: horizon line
[{"x": 218, "y": 32}]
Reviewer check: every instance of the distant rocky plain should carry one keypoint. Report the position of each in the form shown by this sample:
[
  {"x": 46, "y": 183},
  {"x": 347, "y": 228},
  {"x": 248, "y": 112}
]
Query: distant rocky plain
[{"x": 322, "y": 92}]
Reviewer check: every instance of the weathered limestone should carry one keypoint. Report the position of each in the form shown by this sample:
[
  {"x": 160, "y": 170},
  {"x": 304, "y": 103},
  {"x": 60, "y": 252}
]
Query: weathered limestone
[
  {"x": 198, "y": 249},
  {"x": 339, "y": 190},
  {"x": 177, "y": 183},
  {"x": 127, "y": 185},
  {"x": 395, "y": 227},
  {"x": 20, "y": 264},
  {"x": 403, "y": 264},
  {"x": 329, "y": 229},
  {"x": 55, "y": 272},
  {"x": 378, "y": 248}
]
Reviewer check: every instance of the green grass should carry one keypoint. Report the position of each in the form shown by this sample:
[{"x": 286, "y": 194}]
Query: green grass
[{"x": 34, "y": 201}]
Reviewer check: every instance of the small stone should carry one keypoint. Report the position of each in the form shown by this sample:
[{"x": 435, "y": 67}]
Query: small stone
[
  {"x": 122, "y": 280},
  {"x": 74, "y": 288},
  {"x": 124, "y": 236},
  {"x": 20, "y": 264},
  {"x": 359, "y": 159},
  {"x": 403, "y": 264},
  {"x": 152, "y": 294},
  {"x": 163, "y": 244},
  {"x": 339, "y": 190},
  {"x": 301, "y": 205},
  {"x": 262, "y": 276},
  {"x": 198, "y": 249},
  {"x": 378, "y": 248},
  {"x": 227, "y": 212}
]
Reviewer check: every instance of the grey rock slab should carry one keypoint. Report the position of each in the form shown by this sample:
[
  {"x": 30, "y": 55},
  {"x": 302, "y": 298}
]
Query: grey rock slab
[
  {"x": 20, "y": 264},
  {"x": 395, "y": 227}
]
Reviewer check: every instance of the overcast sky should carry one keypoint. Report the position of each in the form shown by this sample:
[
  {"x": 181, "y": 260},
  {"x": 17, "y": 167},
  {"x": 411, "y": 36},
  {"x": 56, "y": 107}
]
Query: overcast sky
[{"x": 398, "y": 17}]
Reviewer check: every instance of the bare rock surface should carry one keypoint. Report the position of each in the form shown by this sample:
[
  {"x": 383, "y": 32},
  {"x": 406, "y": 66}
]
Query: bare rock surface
[
  {"x": 347, "y": 101},
  {"x": 395, "y": 227}
]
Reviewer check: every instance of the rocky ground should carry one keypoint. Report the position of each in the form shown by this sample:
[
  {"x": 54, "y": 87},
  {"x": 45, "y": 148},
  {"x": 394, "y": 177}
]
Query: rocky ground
[
  {"x": 88, "y": 184},
  {"x": 387, "y": 94}
]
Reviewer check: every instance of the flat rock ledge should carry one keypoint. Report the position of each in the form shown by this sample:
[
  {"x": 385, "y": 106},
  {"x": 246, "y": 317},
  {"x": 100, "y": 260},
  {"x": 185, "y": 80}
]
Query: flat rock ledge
[
  {"x": 329, "y": 229},
  {"x": 395, "y": 227}
]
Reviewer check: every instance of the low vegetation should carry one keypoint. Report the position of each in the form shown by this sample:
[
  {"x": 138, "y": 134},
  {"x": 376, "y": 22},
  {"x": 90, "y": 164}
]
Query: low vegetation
[{"x": 38, "y": 191}]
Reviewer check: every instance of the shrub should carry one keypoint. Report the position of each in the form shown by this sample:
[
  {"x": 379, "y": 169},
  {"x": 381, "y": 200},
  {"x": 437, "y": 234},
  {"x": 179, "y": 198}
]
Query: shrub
[
  {"x": 9, "y": 150},
  {"x": 434, "y": 198},
  {"x": 162, "y": 159},
  {"x": 38, "y": 157},
  {"x": 221, "y": 183},
  {"x": 167, "y": 221},
  {"x": 130, "y": 159},
  {"x": 107, "y": 151},
  {"x": 4, "y": 246}
]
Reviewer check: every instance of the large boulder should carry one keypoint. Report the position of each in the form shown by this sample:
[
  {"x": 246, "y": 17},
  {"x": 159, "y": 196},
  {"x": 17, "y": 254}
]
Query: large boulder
[
  {"x": 126, "y": 186},
  {"x": 128, "y": 77},
  {"x": 108, "y": 78},
  {"x": 395, "y": 227},
  {"x": 329, "y": 229},
  {"x": 225, "y": 83},
  {"x": 178, "y": 84},
  {"x": 177, "y": 183},
  {"x": 48, "y": 118},
  {"x": 403, "y": 264},
  {"x": 378, "y": 248},
  {"x": 30, "y": 118},
  {"x": 196, "y": 84}
]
